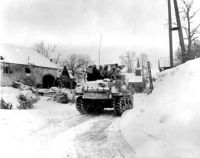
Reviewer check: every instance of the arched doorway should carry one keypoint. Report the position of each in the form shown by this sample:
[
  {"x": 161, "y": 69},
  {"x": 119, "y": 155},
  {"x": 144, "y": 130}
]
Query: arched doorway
[{"x": 48, "y": 81}]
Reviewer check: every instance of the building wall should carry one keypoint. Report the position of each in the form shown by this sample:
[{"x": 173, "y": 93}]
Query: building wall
[{"x": 13, "y": 72}]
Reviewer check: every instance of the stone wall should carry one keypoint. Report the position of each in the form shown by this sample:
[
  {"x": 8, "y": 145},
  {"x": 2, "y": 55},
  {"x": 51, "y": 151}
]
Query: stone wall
[{"x": 16, "y": 72}]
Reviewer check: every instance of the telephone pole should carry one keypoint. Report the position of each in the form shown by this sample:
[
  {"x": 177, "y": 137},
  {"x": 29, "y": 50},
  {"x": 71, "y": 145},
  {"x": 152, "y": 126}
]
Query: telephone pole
[
  {"x": 100, "y": 48},
  {"x": 179, "y": 27},
  {"x": 170, "y": 34},
  {"x": 180, "y": 33}
]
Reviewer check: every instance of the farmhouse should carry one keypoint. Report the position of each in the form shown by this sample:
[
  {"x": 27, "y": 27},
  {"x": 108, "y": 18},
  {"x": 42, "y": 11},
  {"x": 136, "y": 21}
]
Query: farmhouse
[
  {"x": 136, "y": 80},
  {"x": 27, "y": 66}
]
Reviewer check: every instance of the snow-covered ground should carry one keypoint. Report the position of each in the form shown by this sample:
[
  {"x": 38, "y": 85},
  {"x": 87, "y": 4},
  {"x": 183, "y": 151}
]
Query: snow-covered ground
[
  {"x": 161, "y": 125},
  {"x": 54, "y": 130},
  {"x": 39, "y": 132},
  {"x": 167, "y": 122}
]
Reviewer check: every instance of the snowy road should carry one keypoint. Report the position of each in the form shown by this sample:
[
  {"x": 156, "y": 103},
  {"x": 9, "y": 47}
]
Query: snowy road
[
  {"x": 103, "y": 139},
  {"x": 58, "y": 130}
]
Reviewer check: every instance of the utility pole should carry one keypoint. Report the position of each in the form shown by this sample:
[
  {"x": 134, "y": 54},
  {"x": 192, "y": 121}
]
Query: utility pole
[
  {"x": 180, "y": 33},
  {"x": 100, "y": 48},
  {"x": 179, "y": 27},
  {"x": 170, "y": 34}
]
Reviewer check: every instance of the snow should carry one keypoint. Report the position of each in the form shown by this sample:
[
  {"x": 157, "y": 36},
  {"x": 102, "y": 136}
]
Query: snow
[
  {"x": 57, "y": 130},
  {"x": 132, "y": 78},
  {"x": 10, "y": 95},
  {"x": 166, "y": 123},
  {"x": 40, "y": 132},
  {"x": 25, "y": 56}
]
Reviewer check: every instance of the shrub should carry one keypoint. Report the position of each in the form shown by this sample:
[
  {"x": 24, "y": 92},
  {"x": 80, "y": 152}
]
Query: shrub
[
  {"x": 27, "y": 99},
  {"x": 61, "y": 97},
  {"x": 5, "y": 105}
]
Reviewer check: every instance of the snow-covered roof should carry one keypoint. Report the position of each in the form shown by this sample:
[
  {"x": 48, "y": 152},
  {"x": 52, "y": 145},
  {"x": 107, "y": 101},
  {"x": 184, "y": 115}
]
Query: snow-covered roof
[
  {"x": 132, "y": 78},
  {"x": 25, "y": 56}
]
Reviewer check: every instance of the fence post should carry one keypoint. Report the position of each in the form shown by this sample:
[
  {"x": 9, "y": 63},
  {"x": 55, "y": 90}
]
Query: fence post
[{"x": 150, "y": 77}]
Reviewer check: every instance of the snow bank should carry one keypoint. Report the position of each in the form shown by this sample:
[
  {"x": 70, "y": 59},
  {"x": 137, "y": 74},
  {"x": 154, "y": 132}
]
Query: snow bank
[
  {"x": 166, "y": 123},
  {"x": 39, "y": 133},
  {"x": 17, "y": 97}
]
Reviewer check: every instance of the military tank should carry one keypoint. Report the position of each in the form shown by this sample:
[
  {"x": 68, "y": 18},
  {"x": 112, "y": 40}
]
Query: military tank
[{"x": 96, "y": 95}]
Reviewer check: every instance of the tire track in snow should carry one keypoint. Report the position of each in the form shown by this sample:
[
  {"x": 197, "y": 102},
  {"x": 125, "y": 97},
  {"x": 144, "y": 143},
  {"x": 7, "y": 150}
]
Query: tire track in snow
[
  {"x": 92, "y": 136},
  {"x": 103, "y": 139},
  {"x": 53, "y": 127}
]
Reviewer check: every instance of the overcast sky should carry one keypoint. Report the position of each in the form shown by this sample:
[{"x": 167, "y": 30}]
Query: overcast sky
[{"x": 75, "y": 25}]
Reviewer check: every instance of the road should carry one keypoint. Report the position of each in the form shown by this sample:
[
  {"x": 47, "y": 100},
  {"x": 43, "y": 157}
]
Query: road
[
  {"x": 102, "y": 139},
  {"x": 58, "y": 130}
]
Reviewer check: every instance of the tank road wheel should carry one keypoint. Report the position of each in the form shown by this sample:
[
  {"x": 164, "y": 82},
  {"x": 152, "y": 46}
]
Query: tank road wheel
[
  {"x": 118, "y": 106},
  {"x": 124, "y": 104},
  {"x": 80, "y": 106}
]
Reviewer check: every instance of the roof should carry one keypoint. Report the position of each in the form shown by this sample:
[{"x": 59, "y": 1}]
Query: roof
[
  {"x": 24, "y": 56},
  {"x": 70, "y": 73},
  {"x": 132, "y": 78}
]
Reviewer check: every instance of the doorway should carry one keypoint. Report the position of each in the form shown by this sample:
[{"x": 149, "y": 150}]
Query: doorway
[{"x": 48, "y": 81}]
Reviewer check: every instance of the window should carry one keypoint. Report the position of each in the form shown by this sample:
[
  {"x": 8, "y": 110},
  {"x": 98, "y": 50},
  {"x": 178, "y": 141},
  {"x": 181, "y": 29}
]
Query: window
[
  {"x": 138, "y": 72},
  {"x": 27, "y": 70},
  {"x": 6, "y": 69}
]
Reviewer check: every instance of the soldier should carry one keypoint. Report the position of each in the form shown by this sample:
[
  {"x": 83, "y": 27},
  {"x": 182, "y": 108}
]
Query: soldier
[
  {"x": 104, "y": 72},
  {"x": 95, "y": 73},
  {"x": 89, "y": 72},
  {"x": 100, "y": 70},
  {"x": 117, "y": 71},
  {"x": 111, "y": 72}
]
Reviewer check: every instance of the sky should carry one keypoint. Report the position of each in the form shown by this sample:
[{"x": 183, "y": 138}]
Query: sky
[{"x": 74, "y": 26}]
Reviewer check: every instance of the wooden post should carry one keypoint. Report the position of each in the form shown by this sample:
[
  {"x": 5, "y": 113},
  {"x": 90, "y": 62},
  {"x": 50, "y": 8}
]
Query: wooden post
[
  {"x": 150, "y": 77},
  {"x": 170, "y": 34},
  {"x": 181, "y": 40},
  {"x": 159, "y": 66}
]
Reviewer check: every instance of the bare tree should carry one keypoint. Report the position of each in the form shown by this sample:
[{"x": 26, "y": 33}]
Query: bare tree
[
  {"x": 77, "y": 64},
  {"x": 191, "y": 32},
  {"x": 195, "y": 51},
  {"x": 178, "y": 57},
  {"x": 128, "y": 59},
  {"x": 143, "y": 58},
  {"x": 44, "y": 49},
  {"x": 56, "y": 60}
]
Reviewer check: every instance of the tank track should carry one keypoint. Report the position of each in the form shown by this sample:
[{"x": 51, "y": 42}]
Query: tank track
[
  {"x": 121, "y": 104},
  {"x": 117, "y": 104},
  {"x": 80, "y": 106}
]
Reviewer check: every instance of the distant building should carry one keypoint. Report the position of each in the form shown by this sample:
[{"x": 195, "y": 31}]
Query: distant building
[
  {"x": 163, "y": 64},
  {"x": 27, "y": 66},
  {"x": 136, "y": 80},
  {"x": 65, "y": 79}
]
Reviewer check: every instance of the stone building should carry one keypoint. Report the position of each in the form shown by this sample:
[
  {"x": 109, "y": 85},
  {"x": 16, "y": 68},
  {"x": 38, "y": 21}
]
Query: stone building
[
  {"x": 136, "y": 79},
  {"x": 27, "y": 66}
]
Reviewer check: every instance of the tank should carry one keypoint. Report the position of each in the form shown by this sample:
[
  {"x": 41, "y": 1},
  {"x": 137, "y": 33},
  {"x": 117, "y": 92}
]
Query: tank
[{"x": 94, "y": 96}]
